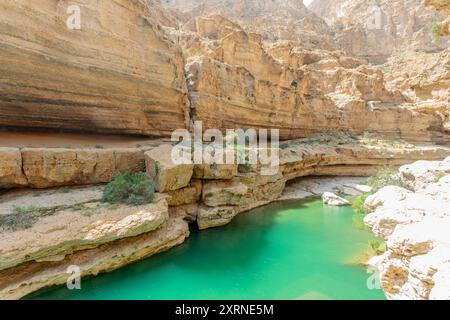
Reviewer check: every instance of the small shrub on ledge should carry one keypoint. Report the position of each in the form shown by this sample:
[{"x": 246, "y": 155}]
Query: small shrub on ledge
[
  {"x": 384, "y": 178},
  {"x": 130, "y": 188}
]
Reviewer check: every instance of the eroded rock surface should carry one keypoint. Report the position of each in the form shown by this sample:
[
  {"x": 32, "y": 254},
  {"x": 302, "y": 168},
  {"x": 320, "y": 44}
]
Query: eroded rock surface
[
  {"x": 282, "y": 85},
  {"x": 332, "y": 199},
  {"x": 375, "y": 30},
  {"x": 26, "y": 278},
  {"x": 118, "y": 74},
  {"x": 91, "y": 225},
  {"x": 415, "y": 225}
]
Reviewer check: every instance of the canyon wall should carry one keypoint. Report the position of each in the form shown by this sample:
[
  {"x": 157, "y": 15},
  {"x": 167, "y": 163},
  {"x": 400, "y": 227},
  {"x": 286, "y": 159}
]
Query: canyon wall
[
  {"x": 118, "y": 74},
  {"x": 397, "y": 25},
  {"x": 280, "y": 85},
  {"x": 274, "y": 20},
  {"x": 132, "y": 69}
]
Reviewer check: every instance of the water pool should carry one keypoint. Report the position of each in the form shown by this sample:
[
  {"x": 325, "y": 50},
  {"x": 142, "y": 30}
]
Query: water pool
[{"x": 286, "y": 250}]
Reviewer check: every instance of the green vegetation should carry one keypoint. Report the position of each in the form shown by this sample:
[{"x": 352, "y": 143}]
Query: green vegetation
[
  {"x": 85, "y": 210},
  {"x": 378, "y": 246},
  {"x": 438, "y": 176},
  {"x": 23, "y": 210},
  {"x": 134, "y": 189},
  {"x": 386, "y": 177},
  {"x": 358, "y": 203},
  {"x": 65, "y": 190},
  {"x": 22, "y": 218},
  {"x": 435, "y": 31}
]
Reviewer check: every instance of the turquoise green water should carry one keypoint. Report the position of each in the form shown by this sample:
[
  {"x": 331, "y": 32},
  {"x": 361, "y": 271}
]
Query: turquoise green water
[{"x": 289, "y": 250}]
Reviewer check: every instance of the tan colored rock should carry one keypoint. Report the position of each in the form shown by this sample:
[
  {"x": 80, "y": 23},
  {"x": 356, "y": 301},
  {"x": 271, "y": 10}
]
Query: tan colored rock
[
  {"x": 211, "y": 217},
  {"x": 422, "y": 76},
  {"x": 46, "y": 168},
  {"x": 334, "y": 200},
  {"x": 11, "y": 174},
  {"x": 216, "y": 171},
  {"x": 273, "y": 19},
  {"x": 189, "y": 212},
  {"x": 282, "y": 86},
  {"x": 343, "y": 157},
  {"x": 91, "y": 225},
  {"x": 130, "y": 160},
  {"x": 402, "y": 24},
  {"x": 441, "y": 5},
  {"x": 85, "y": 80},
  {"x": 48, "y": 200},
  {"x": 188, "y": 195},
  {"x": 223, "y": 194},
  {"x": 167, "y": 175},
  {"x": 17, "y": 282}
]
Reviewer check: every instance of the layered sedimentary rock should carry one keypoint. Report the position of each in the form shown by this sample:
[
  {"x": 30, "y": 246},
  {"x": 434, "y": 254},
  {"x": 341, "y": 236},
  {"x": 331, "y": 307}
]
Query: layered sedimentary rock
[
  {"x": 283, "y": 86},
  {"x": 415, "y": 224},
  {"x": 375, "y": 30},
  {"x": 441, "y": 5},
  {"x": 54, "y": 167},
  {"x": 46, "y": 231},
  {"x": 29, "y": 277},
  {"x": 117, "y": 74},
  {"x": 50, "y": 239},
  {"x": 273, "y": 19},
  {"x": 423, "y": 76}
]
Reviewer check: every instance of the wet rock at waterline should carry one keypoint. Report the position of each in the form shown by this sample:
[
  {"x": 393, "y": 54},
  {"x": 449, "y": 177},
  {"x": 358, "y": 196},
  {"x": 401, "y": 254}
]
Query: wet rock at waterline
[{"x": 333, "y": 200}]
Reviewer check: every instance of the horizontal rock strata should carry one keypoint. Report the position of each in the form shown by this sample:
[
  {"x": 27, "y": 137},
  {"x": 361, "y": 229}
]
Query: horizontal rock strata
[
  {"x": 26, "y": 278},
  {"x": 118, "y": 74}
]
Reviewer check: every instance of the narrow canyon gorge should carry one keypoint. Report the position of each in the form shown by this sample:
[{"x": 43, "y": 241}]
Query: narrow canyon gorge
[{"x": 81, "y": 108}]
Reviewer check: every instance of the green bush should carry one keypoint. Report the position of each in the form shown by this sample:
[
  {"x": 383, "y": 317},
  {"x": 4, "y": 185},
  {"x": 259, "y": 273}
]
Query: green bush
[
  {"x": 435, "y": 31},
  {"x": 378, "y": 246},
  {"x": 21, "y": 218},
  {"x": 134, "y": 189},
  {"x": 384, "y": 178},
  {"x": 438, "y": 176},
  {"x": 358, "y": 203}
]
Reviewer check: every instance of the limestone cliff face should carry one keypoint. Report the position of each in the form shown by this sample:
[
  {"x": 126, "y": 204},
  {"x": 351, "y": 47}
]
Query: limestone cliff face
[
  {"x": 118, "y": 74},
  {"x": 249, "y": 83},
  {"x": 273, "y": 19},
  {"x": 402, "y": 24}
]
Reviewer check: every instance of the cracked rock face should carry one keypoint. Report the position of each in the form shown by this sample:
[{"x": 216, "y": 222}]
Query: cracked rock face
[
  {"x": 415, "y": 226},
  {"x": 400, "y": 25},
  {"x": 273, "y": 19}
]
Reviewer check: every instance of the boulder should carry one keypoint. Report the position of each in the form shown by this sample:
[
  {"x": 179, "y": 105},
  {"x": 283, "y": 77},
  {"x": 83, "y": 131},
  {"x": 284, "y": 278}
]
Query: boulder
[
  {"x": 416, "y": 265},
  {"x": 420, "y": 174},
  {"x": 51, "y": 167},
  {"x": 11, "y": 174},
  {"x": 333, "y": 200},
  {"x": 223, "y": 194},
  {"x": 185, "y": 196},
  {"x": 168, "y": 176},
  {"x": 210, "y": 217}
]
